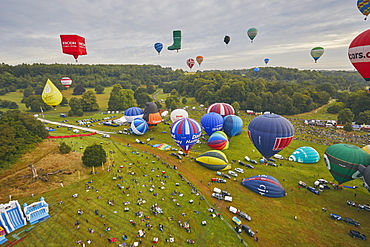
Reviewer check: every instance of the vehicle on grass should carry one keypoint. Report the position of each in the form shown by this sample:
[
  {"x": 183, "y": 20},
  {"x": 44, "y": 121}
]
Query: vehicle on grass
[
  {"x": 248, "y": 230},
  {"x": 232, "y": 209},
  {"x": 335, "y": 216},
  {"x": 231, "y": 173},
  {"x": 241, "y": 163},
  {"x": 247, "y": 158},
  {"x": 217, "y": 190},
  {"x": 303, "y": 184},
  {"x": 351, "y": 203},
  {"x": 254, "y": 162},
  {"x": 225, "y": 193},
  {"x": 351, "y": 222},
  {"x": 240, "y": 170},
  {"x": 271, "y": 164},
  {"x": 244, "y": 216},
  {"x": 313, "y": 190},
  {"x": 217, "y": 196},
  {"x": 357, "y": 234},
  {"x": 226, "y": 176},
  {"x": 237, "y": 221},
  {"x": 228, "y": 199},
  {"x": 278, "y": 156},
  {"x": 176, "y": 155}
]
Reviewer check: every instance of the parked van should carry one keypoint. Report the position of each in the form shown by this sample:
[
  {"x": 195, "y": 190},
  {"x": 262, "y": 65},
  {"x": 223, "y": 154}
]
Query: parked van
[
  {"x": 216, "y": 190},
  {"x": 105, "y": 135},
  {"x": 233, "y": 210},
  {"x": 228, "y": 199}
]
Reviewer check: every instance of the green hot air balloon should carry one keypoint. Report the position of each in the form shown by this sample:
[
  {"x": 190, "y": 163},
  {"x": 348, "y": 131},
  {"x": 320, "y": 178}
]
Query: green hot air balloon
[
  {"x": 343, "y": 160},
  {"x": 214, "y": 160},
  {"x": 252, "y": 33},
  {"x": 317, "y": 52}
]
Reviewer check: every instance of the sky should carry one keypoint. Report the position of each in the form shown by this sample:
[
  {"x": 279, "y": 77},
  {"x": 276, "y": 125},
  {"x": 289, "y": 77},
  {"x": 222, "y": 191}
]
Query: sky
[{"x": 125, "y": 31}]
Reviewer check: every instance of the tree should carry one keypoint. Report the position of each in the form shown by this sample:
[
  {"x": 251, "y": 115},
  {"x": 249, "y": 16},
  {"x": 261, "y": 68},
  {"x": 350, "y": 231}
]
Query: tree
[
  {"x": 363, "y": 117},
  {"x": 184, "y": 101},
  {"x": 28, "y": 91},
  {"x": 172, "y": 102},
  {"x": 142, "y": 99},
  {"x": 348, "y": 127},
  {"x": 99, "y": 89},
  {"x": 89, "y": 102},
  {"x": 35, "y": 103},
  {"x": 13, "y": 105},
  {"x": 150, "y": 89},
  {"x": 236, "y": 107},
  {"x": 64, "y": 148},
  {"x": 113, "y": 102},
  {"x": 79, "y": 90},
  {"x": 76, "y": 107},
  {"x": 336, "y": 107},
  {"x": 94, "y": 155},
  {"x": 345, "y": 116}
]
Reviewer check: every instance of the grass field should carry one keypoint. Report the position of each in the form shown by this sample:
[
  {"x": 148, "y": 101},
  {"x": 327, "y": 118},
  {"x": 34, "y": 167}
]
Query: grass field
[{"x": 144, "y": 169}]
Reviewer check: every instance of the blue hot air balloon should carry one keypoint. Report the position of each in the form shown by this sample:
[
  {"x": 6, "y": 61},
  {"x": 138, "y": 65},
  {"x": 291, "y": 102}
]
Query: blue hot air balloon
[
  {"x": 132, "y": 113},
  {"x": 270, "y": 133},
  {"x": 232, "y": 125},
  {"x": 186, "y": 132},
  {"x": 211, "y": 122},
  {"x": 305, "y": 154},
  {"x": 158, "y": 47},
  {"x": 139, "y": 126},
  {"x": 218, "y": 140},
  {"x": 264, "y": 185},
  {"x": 256, "y": 69},
  {"x": 266, "y": 60}
]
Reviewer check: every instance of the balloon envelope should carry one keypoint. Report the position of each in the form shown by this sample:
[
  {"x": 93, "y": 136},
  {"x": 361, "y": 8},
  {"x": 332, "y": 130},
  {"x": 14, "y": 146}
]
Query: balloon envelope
[
  {"x": 73, "y": 45},
  {"x": 342, "y": 161},
  {"x": 316, "y": 53},
  {"x": 178, "y": 114},
  {"x": 151, "y": 114},
  {"x": 227, "y": 39},
  {"x": 139, "y": 126},
  {"x": 270, "y": 133},
  {"x": 305, "y": 154},
  {"x": 199, "y": 59},
  {"x": 364, "y": 7},
  {"x": 51, "y": 94},
  {"x": 256, "y": 69},
  {"x": 211, "y": 122},
  {"x": 66, "y": 82},
  {"x": 232, "y": 125},
  {"x": 186, "y": 132},
  {"x": 358, "y": 54},
  {"x": 132, "y": 113},
  {"x": 264, "y": 185},
  {"x": 252, "y": 33},
  {"x": 214, "y": 160},
  {"x": 223, "y": 109},
  {"x": 190, "y": 62},
  {"x": 266, "y": 60},
  {"x": 218, "y": 140},
  {"x": 158, "y": 47}
]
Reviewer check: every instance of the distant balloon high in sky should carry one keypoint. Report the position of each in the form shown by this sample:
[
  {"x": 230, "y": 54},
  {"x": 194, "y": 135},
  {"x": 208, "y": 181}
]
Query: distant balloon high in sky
[
  {"x": 252, "y": 33},
  {"x": 73, "y": 45},
  {"x": 358, "y": 54},
  {"x": 190, "y": 62},
  {"x": 158, "y": 47},
  {"x": 66, "y": 82},
  {"x": 316, "y": 53},
  {"x": 199, "y": 59},
  {"x": 176, "y": 41},
  {"x": 227, "y": 40},
  {"x": 266, "y": 60},
  {"x": 51, "y": 94},
  {"x": 364, "y": 7}
]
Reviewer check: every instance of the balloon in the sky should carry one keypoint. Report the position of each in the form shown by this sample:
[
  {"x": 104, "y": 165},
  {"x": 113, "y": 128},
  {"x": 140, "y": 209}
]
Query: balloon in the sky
[
  {"x": 199, "y": 59},
  {"x": 218, "y": 140},
  {"x": 316, "y": 53},
  {"x": 66, "y": 82},
  {"x": 186, "y": 132},
  {"x": 256, "y": 69},
  {"x": 232, "y": 125},
  {"x": 132, "y": 113},
  {"x": 223, "y": 109},
  {"x": 264, "y": 185},
  {"x": 214, "y": 160},
  {"x": 190, "y": 62},
  {"x": 252, "y": 33},
  {"x": 73, "y": 45},
  {"x": 158, "y": 47},
  {"x": 211, "y": 122},
  {"x": 151, "y": 114},
  {"x": 176, "y": 41},
  {"x": 359, "y": 55},
  {"x": 51, "y": 94},
  {"x": 364, "y": 7},
  {"x": 305, "y": 154},
  {"x": 266, "y": 60},
  {"x": 270, "y": 133},
  {"x": 139, "y": 126},
  {"x": 342, "y": 161},
  {"x": 178, "y": 114},
  {"x": 227, "y": 39}
]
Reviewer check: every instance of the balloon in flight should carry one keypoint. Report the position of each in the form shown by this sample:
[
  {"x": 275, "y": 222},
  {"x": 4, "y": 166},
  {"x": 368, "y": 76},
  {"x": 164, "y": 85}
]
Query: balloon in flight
[
  {"x": 266, "y": 60},
  {"x": 73, "y": 44},
  {"x": 66, "y": 82},
  {"x": 364, "y": 7},
  {"x": 158, "y": 47},
  {"x": 252, "y": 33},
  {"x": 227, "y": 40},
  {"x": 51, "y": 94},
  {"x": 316, "y": 53},
  {"x": 190, "y": 62},
  {"x": 357, "y": 54},
  {"x": 176, "y": 41},
  {"x": 199, "y": 59}
]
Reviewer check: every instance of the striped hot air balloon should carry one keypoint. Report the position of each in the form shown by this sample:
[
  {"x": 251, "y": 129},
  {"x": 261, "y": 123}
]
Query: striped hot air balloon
[
  {"x": 214, "y": 160},
  {"x": 186, "y": 132},
  {"x": 139, "y": 126}
]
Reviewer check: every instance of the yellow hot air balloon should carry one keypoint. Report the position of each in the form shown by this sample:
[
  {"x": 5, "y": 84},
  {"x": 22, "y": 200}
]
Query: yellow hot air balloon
[{"x": 51, "y": 94}]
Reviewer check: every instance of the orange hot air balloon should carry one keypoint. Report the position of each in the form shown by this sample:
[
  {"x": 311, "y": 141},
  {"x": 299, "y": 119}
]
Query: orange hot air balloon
[
  {"x": 73, "y": 45},
  {"x": 199, "y": 59}
]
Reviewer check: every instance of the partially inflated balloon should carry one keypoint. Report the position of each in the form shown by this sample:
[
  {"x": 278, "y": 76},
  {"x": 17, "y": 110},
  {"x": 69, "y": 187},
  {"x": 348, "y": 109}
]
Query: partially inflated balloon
[
  {"x": 139, "y": 126},
  {"x": 214, "y": 160},
  {"x": 305, "y": 154},
  {"x": 316, "y": 53},
  {"x": 132, "y": 113},
  {"x": 51, "y": 94},
  {"x": 223, "y": 109},
  {"x": 178, "y": 114},
  {"x": 264, "y": 185},
  {"x": 151, "y": 114}
]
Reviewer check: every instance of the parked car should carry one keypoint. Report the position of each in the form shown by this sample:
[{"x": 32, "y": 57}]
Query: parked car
[
  {"x": 351, "y": 221},
  {"x": 248, "y": 230},
  {"x": 254, "y": 162},
  {"x": 226, "y": 176},
  {"x": 231, "y": 173},
  {"x": 335, "y": 216},
  {"x": 176, "y": 155},
  {"x": 351, "y": 203},
  {"x": 244, "y": 215},
  {"x": 232, "y": 209},
  {"x": 356, "y": 234},
  {"x": 237, "y": 221},
  {"x": 241, "y": 163},
  {"x": 313, "y": 190},
  {"x": 225, "y": 193},
  {"x": 303, "y": 184},
  {"x": 217, "y": 196},
  {"x": 240, "y": 170},
  {"x": 247, "y": 158},
  {"x": 249, "y": 166},
  {"x": 271, "y": 164},
  {"x": 228, "y": 199}
]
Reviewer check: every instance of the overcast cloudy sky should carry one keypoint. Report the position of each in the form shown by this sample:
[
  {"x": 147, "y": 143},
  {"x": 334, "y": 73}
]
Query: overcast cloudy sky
[{"x": 124, "y": 32}]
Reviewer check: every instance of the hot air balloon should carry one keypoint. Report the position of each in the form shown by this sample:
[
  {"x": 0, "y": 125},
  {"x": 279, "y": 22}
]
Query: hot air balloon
[
  {"x": 359, "y": 54},
  {"x": 158, "y": 47},
  {"x": 305, "y": 154},
  {"x": 139, "y": 126},
  {"x": 51, "y": 94},
  {"x": 264, "y": 185},
  {"x": 66, "y": 82},
  {"x": 214, "y": 160},
  {"x": 227, "y": 39},
  {"x": 132, "y": 113},
  {"x": 211, "y": 122},
  {"x": 178, "y": 114},
  {"x": 199, "y": 59},
  {"x": 73, "y": 45},
  {"x": 186, "y": 132},
  {"x": 176, "y": 41},
  {"x": 218, "y": 140},
  {"x": 266, "y": 60},
  {"x": 190, "y": 62},
  {"x": 151, "y": 114},
  {"x": 232, "y": 125},
  {"x": 364, "y": 7},
  {"x": 365, "y": 171},
  {"x": 270, "y": 133},
  {"x": 252, "y": 33},
  {"x": 256, "y": 69},
  {"x": 316, "y": 53},
  {"x": 342, "y": 161},
  {"x": 223, "y": 109}
]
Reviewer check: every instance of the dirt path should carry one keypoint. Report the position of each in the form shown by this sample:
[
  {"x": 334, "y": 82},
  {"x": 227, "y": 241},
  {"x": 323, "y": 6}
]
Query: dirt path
[{"x": 315, "y": 110}]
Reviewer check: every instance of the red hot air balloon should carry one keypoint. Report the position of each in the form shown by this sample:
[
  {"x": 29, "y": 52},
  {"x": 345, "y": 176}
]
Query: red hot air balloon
[
  {"x": 190, "y": 62},
  {"x": 223, "y": 109},
  {"x": 359, "y": 54},
  {"x": 73, "y": 45},
  {"x": 66, "y": 81},
  {"x": 199, "y": 59}
]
